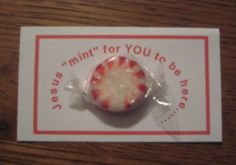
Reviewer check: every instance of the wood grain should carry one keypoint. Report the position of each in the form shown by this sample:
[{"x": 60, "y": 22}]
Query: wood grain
[{"x": 162, "y": 13}]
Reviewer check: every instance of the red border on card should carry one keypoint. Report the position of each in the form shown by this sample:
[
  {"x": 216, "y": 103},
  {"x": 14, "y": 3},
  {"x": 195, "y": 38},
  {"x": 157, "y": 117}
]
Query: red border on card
[{"x": 76, "y": 132}]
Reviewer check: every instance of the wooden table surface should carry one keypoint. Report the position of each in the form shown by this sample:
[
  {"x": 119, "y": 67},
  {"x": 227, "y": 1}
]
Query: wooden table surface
[{"x": 162, "y": 13}]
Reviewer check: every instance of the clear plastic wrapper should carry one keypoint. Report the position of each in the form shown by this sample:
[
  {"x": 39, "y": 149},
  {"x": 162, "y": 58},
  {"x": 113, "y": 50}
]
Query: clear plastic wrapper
[{"x": 121, "y": 85}]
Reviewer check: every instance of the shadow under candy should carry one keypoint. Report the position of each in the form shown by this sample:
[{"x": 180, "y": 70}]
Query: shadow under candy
[{"x": 120, "y": 120}]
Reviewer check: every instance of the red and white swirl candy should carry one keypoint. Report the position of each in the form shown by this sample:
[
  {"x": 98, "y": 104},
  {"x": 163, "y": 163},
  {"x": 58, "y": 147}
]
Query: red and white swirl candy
[{"x": 118, "y": 84}]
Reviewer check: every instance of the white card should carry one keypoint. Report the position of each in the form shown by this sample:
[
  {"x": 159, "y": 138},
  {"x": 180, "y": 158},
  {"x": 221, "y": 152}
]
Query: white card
[{"x": 49, "y": 56}]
